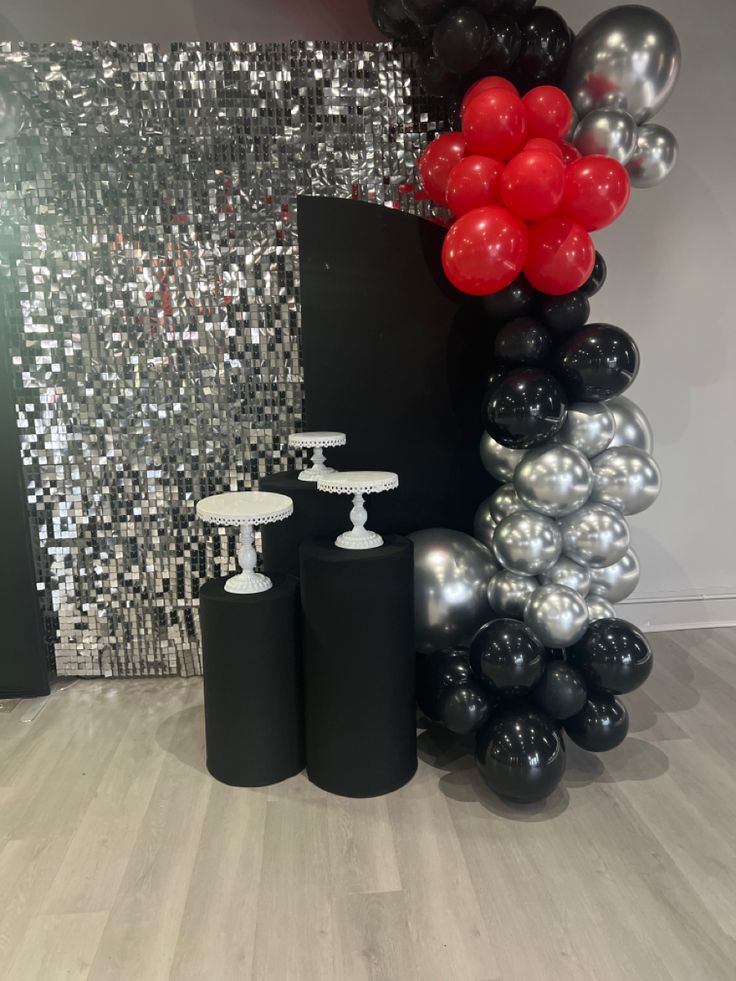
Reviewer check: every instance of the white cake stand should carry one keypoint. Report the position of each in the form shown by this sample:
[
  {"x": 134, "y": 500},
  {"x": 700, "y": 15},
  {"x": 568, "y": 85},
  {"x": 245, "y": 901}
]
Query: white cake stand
[
  {"x": 316, "y": 442},
  {"x": 358, "y": 483},
  {"x": 246, "y": 509}
]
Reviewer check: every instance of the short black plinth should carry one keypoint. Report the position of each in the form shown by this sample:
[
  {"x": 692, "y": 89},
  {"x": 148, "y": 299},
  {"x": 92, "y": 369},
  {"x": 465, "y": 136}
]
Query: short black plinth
[
  {"x": 316, "y": 514},
  {"x": 253, "y": 704},
  {"x": 358, "y": 616}
]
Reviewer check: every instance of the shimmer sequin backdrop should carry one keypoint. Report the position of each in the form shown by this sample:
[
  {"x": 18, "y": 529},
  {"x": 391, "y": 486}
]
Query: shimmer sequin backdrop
[{"x": 150, "y": 285}]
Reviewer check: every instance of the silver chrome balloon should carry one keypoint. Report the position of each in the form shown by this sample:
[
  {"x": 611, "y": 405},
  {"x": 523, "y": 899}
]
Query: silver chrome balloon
[
  {"x": 451, "y": 573},
  {"x": 500, "y": 461},
  {"x": 654, "y": 156},
  {"x": 527, "y": 543},
  {"x": 508, "y": 593},
  {"x": 616, "y": 582},
  {"x": 483, "y": 523},
  {"x": 596, "y": 535},
  {"x": 505, "y": 501},
  {"x": 588, "y": 426},
  {"x": 571, "y": 128},
  {"x": 631, "y": 426},
  {"x": 631, "y": 52},
  {"x": 609, "y": 132},
  {"x": 557, "y": 615},
  {"x": 554, "y": 479},
  {"x": 599, "y": 608},
  {"x": 565, "y": 572},
  {"x": 626, "y": 478}
]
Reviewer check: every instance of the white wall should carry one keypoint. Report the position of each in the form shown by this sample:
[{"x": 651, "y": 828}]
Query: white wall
[{"x": 671, "y": 266}]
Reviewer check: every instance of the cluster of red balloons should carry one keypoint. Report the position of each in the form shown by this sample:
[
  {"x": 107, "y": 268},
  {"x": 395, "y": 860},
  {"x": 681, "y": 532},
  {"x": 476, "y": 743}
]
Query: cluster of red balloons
[{"x": 524, "y": 200}]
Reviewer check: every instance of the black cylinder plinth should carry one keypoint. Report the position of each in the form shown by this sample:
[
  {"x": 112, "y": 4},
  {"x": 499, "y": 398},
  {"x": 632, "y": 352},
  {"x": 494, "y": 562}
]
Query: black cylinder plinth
[
  {"x": 253, "y": 706},
  {"x": 316, "y": 514},
  {"x": 358, "y": 617}
]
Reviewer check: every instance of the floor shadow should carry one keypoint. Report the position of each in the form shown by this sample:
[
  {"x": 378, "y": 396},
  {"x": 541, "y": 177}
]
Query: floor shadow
[
  {"x": 443, "y": 749},
  {"x": 182, "y": 735}
]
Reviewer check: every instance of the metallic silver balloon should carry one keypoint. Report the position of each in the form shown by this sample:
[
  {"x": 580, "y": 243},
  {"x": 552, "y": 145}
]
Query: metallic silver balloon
[
  {"x": 616, "y": 582},
  {"x": 554, "y": 479},
  {"x": 499, "y": 461},
  {"x": 599, "y": 608},
  {"x": 565, "y": 572},
  {"x": 609, "y": 132},
  {"x": 626, "y": 478},
  {"x": 588, "y": 426},
  {"x": 654, "y": 156},
  {"x": 483, "y": 523},
  {"x": 527, "y": 543},
  {"x": 631, "y": 426},
  {"x": 11, "y": 119},
  {"x": 596, "y": 535},
  {"x": 631, "y": 52},
  {"x": 557, "y": 615},
  {"x": 451, "y": 573},
  {"x": 505, "y": 501},
  {"x": 508, "y": 593},
  {"x": 572, "y": 127}
]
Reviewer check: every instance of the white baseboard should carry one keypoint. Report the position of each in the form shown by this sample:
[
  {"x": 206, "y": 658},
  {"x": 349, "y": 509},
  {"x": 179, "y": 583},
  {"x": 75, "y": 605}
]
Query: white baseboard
[{"x": 652, "y": 613}]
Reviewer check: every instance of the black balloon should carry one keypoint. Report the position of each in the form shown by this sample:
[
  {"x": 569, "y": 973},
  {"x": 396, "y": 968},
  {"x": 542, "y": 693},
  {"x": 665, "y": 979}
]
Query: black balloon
[
  {"x": 562, "y": 691},
  {"x": 390, "y": 18},
  {"x": 520, "y": 755},
  {"x": 425, "y": 11},
  {"x": 515, "y": 8},
  {"x": 545, "y": 48},
  {"x": 516, "y": 300},
  {"x": 561, "y": 314},
  {"x": 436, "y": 80},
  {"x": 596, "y": 362},
  {"x": 436, "y": 672},
  {"x": 614, "y": 656},
  {"x": 601, "y": 724},
  {"x": 523, "y": 341},
  {"x": 504, "y": 44},
  {"x": 506, "y": 656},
  {"x": 464, "y": 708},
  {"x": 460, "y": 39},
  {"x": 524, "y": 408},
  {"x": 492, "y": 377},
  {"x": 597, "y": 278}
]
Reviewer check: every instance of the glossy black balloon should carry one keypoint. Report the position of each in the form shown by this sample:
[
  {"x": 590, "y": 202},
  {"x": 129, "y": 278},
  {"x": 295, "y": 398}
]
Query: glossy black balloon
[
  {"x": 436, "y": 672},
  {"x": 614, "y": 656},
  {"x": 600, "y": 725},
  {"x": 517, "y": 300},
  {"x": 523, "y": 341},
  {"x": 424, "y": 12},
  {"x": 520, "y": 755},
  {"x": 492, "y": 377},
  {"x": 515, "y": 8},
  {"x": 597, "y": 362},
  {"x": 460, "y": 39},
  {"x": 524, "y": 408},
  {"x": 597, "y": 278},
  {"x": 504, "y": 44},
  {"x": 506, "y": 656},
  {"x": 545, "y": 48},
  {"x": 562, "y": 691},
  {"x": 561, "y": 314},
  {"x": 464, "y": 708},
  {"x": 436, "y": 80},
  {"x": 391, "y": 19}
]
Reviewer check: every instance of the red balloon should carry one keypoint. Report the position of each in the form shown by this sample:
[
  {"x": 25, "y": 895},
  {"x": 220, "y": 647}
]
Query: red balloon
[
  {"x": 473, "y": 183},
  {"x": 483, "y": 84},
  {"x": 570, "y": 153},
  {"x": 494, "y": 124},
  {"x": 596, "y": 191},
  {"x": 435, "y": 164},
  {"x": 484, "y": 250},
  {"x": 532, "y": 184},
  {"x": 548, "y": 112},
  {"x": 539, "y": 143},
  {"x": 560, "y": 257}
]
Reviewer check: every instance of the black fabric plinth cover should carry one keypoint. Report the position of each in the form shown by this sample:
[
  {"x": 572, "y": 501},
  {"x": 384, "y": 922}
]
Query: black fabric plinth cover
[
  {"x": 254, "y": 725},
  {"x": 316, "y": 514},
  {"x": 358, "y": 616}
]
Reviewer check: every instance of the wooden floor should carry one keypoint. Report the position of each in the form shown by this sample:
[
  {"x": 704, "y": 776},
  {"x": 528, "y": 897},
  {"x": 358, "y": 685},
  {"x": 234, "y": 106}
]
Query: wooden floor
[{"x": 120, "y": 858}]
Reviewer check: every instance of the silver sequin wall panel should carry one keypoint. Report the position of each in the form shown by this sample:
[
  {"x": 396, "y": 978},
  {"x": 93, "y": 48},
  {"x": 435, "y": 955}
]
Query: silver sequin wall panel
[{"x": 150, "y": 285}]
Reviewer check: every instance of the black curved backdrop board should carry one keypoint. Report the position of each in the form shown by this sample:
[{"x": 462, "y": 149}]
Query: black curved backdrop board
[{"x": 395, "y": 358}]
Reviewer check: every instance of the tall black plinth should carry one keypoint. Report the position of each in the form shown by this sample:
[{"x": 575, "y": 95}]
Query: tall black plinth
[
  {"x": 316, "y": 514},
  {"x": 253, "y": 705},
  {"x": 358, "y": 617}
]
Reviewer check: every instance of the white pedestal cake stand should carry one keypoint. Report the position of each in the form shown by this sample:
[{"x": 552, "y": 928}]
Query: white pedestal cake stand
[
  {"x": 358, "y": 483},
  {"x": 316, "y": 442},
  {"x": 246, "y": 509}
]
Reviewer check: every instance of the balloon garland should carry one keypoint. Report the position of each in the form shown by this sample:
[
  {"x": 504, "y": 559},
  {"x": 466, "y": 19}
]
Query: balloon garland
[{"x": 539, "y": 653}]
